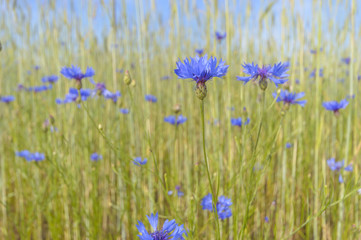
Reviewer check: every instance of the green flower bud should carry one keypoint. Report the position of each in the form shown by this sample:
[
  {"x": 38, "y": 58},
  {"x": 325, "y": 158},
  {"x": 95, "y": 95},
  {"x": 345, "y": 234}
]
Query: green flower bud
[
  {"x": 263, "y": 84},
  {"x": 201, "y": 91},
  {"x": 78, "y": 84},
  {"x": 127, "y": 78}
]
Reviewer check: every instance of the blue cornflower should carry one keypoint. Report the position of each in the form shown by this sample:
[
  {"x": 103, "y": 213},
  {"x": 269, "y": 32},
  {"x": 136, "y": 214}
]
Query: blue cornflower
[
  {"x": 200, "y": 69},
  {"x": 170, "y": 230},
  {"x": 119, "y": 70},
  {"x": 179, "y": 192},
  {"x": 266, "y": 219},
  {"x": 223, "y": 206},
  {"x": 199, "y": 51},
  {"x": 31, "y": 156},
  {"x": 288, "y": 145},
  {"x": 7, "y": 99},
  {"x": 338, "y": 166},
  {"x": 150, "y": 98},
  {"x": 172, "y": 119},
  {"x": 38, "y": 89},
  {"x": 124, "y": 110},
  {"x": 238, "y": 122},
  {"x": 346, "y": 60},
  {"x": 166, "y": 77},
  {"x": 276, "y": 74},
  {"x": 36, "y": 67},
  {"x": 74, "y": 72},
  {"x": 290, "y": 98},
  {"x": 96, "y": 157},
  {"x": 50, "y": 79},
  {"x": 138, "y": 161},
  {"x": 99, "y": 87},
  {"x": 220, "y": 36},
  {"x": 313, "y": 73},
  {"x": 73, "y": 94},
  {"x": 113, "y": 96},
  {"x": 335, "y": 106}
]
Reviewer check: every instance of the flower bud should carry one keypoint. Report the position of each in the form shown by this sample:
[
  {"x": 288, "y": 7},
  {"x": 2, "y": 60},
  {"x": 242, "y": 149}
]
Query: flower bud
[
  {"x": 263, "y": 84},
  {"x": 177, "y": 108},
  {"x": 78, "y": 84},
  {"x": 127, "y": 78},
  {"x": 51, "y": 119},
  {"x": 201, "y": 91}
]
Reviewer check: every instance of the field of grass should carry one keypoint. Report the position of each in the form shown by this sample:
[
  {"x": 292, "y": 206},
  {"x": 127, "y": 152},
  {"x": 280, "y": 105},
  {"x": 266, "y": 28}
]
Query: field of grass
[{"x": 274, "y": 170}]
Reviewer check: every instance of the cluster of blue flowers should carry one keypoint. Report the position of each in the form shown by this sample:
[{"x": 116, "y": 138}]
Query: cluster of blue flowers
[
  {"x": 222, "y": 206},
  {"x": 29, "y": 156},
  {"x": 174, "y": 120}
]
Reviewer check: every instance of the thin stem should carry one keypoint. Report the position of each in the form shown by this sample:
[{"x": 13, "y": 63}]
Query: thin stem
[{"x": 214, "y": 197}]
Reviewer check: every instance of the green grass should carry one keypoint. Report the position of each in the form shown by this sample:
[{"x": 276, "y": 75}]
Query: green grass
[{"x": 67, "y": 196}]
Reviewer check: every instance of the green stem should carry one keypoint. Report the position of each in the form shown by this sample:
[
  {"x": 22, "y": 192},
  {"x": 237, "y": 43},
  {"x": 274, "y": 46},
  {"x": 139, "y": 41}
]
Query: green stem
[{"x": 214, "y": 197}]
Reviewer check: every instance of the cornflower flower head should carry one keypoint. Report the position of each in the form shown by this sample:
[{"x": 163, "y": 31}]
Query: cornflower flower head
[
  {"x": 223, "y": 206},
  {"x": 138, "y": 161},
  {"x": 41, "y": 88},
  {"x": 220, "y": 36},
  {"x": 346, "y": 60},
  {"x": 36, "y": 67},
  {"x": 289, "y": 98},
  {"x": 124, "y": 110},
  {"x": 50, "y": 79},
  {"x": 179, "y": 192},
  {"x": 199, "y": 51},
  {"x": 113, "y": 96},
  {"x": 75, "y": 72},
  {"x": 170, "y": 230},
  {"x": 96, "y": 157},
  {"x": 73, "y": 96},
  {"x": 30, "y": 156},
  {"x": 313, "y": 73},
  {"x": 276, "y": 74},
  {"x": 151, "y": 98},
  {"x": 335, "y": 106},
  {"x": 7, "y": 99},
  {"x": 99, "y": 87},
  {"x": 288, "y": 145},
  {"x": 338, "y": 166},
  {"x": 200, "y": 69},
  {"x": 175, "y": 121},
  {"x": 238, "y": 122},
  {"x": 266, "y": 219}
]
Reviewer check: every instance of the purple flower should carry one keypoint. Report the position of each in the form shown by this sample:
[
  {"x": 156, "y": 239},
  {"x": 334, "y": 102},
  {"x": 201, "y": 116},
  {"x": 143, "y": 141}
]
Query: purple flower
[
  {"x": 276, "y": 74},
  {"x": 223, "y": 206},
  {"x": 38, "y": 89},
  {"x": 346, "y": 60},
  {"x": 113, "y": 96},
  {"x": 50, "y": 79},
  {"x": 288, "y": 145},
  {"x": 220, "y": 36},
  {"x": 335, "y": 106},
  {"x": 238, "y": 122},
  {"x": 96, "y": 157},
  {"x": 124, "y": 110},
  {"x": 138, "y": 161},
  {"x": 150, "y": 98},
  {"x": 31, "y": 156},
  {"x": 75, "y": 72},
  {"x": 172, "y": 119},
  {"x": 179, "y": 192},
  {"x": 313, "y": 73},
  {"x": 338, "y": 166},
  {"x": 266, "y": 219},
  {"x": 7, "y": 99},
  {"x": 199, "y": 51},
  {"x": 73, "y": 94},
  {"x": 290, "y": 98},
  {"x": 200, "y": 69}
]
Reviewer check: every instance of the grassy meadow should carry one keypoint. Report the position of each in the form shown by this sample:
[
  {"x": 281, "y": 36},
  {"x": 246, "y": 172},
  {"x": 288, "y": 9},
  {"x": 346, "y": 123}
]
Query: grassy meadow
[{"x": 274, "y": 169}]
